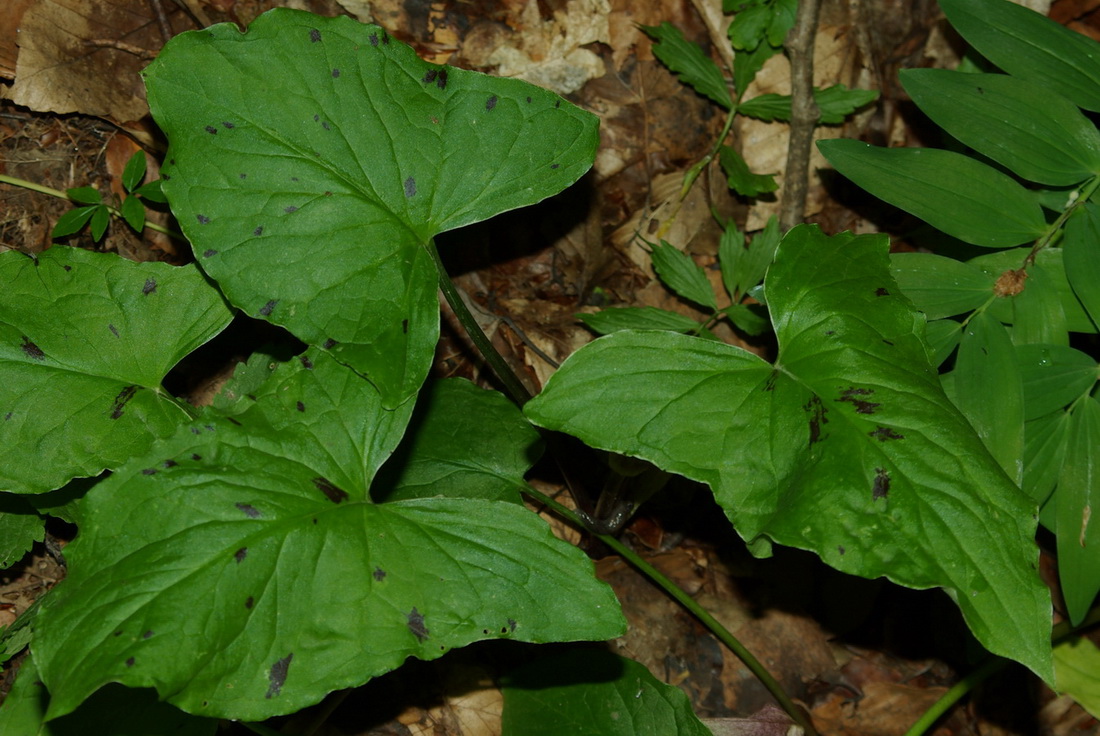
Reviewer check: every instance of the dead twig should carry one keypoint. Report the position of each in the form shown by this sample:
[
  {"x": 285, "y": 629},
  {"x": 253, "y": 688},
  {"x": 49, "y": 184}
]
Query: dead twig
[{"x": 804, "y": 114}]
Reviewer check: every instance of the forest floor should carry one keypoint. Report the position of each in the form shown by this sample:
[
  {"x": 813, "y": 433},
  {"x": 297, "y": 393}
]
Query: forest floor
[{"x": 865, "y": 657}]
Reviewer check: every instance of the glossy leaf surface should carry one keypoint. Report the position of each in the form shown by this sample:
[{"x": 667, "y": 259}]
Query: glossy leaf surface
[
  {"x": 85, "y": 340},
  {"x": 847, "y": 446},
  {"x": 314, "y": 158},
  {"x": 1078, "y": 493},
  {"x": 689, "y": 63},
  {"x": 940, "y": 286}
]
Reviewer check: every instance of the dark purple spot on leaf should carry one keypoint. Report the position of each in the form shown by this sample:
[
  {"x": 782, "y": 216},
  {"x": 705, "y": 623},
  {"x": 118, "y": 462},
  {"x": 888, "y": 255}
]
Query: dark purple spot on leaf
[
  {"x": 169, "y": 464},
  {"x": 301, "y": 406},
  {"x": 528, "y": 100},
  {"x": 203, "y": 219},
  {"x": 277, "y": 676},
  {"x": 332, "y": 493},
  {"x": 249, "y": 602},
  {"x": 769, "y": 385},
  {"x": 324, "y": 125},
  {"x": 113, "y": 329},
  {"x": 491, "y": 102},
  {"x": 240, "y": 554},
  {"x": 374, "y": 39},
  {"x": 130, "y": 662},
  {"x": 209, "y": 253},
  {"x": 882, "y": 434},
  {"x": 67, "y": 267},
  {"x": 196, "y": 457},
  {"x": 889, "y": 342},
  {"x": 328, "y": 194},
  {"x": 243, "y": 176},
  {"x": 410, "y": 187},
  {"x": 841, "y": 549},
  {"x": 120, "y": 401},
  {"x": 880, "y": 291},
  {"x": 335, "y": 73},
  {"x": 166, "y": 177},
  {"x": 314, "y": 35},
  {"x": 290, "y": 209},
  {"x": 441, "y": 82},
  {"x": 385, "y": 39},
  {"x": 416, "y": 625},
  {"x": 227, "y": 125},
  {"x": 430, "y": 76},
  {"x": 329, "y": 344},
  {"x": 405, "y": 326},
  {"x": 258, "y": 231},
  {"x": 555, "y": 166},
  {"x": 7, "y": 416},
  {"x": 851, "y": 394},
  {"x": 315, "y": 119},
  {"x": 306, "y": 362},
  {"x": 268, "y": 308},
  {"x": 248, "y": 510},
  {"x": 511, "y": 624},
  {"x": 881, "y": 485},
  {"x": 118, "y": 633},
  {"x": 32, "y": 351},
  {"x": 149, "y": 471},
  {"x": 148, "y": 634},
  {"x": 379, "y": 574},
  {"x": 294, "y": 178},
  {"x": 818, "y": 419},
  {"x": 830, "y": 333},
  {"x": 211, "y": 130},
  {"x": 172, "y": 161},
  {"x": 557, "y": 104},
  {"x": 194, "y": 430},
  {"x": 232, "y": 420}
]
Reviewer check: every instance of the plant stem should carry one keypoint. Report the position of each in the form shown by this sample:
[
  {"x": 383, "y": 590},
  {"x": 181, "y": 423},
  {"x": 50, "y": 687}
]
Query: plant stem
[
  {"x": 804, "y": 114},
  {"x": 798, "y": 715},
  {"x": 496, "y": 361},
  {"x": 1086, "y": 193},
  {"x": 62, "y": 195},
  {"x": 952, "y": 696}
]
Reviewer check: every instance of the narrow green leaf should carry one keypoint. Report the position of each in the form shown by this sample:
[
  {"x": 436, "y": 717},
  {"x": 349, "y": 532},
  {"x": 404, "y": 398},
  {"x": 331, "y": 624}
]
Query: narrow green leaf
[
  {"x": 260, "y": 526},
  {"x": 1035, "y": 132},
  {"x": 133, "y": 211},
  {"x": 637, "y": 318},
  {"x": 1030, "y": 46},
  {"x": 939, "y": 286},
  {"x": 85, "y": 341},
  {"x": 314, "y": 158},
  {"x": 462, "y": 442},
  {"x": 989, "y": 391},
  {"x": 134, "y": 172},
  {"x": 101, "y": 218},
  {"x": 1044, "y": 453},
  {"x": 740, "y": 179},
  {"x": 592, "y": 691},
  {"x": 846, "y": 446},
  {"x": 71, "y": 222},
  {"x": 951, "y": 192},
  {"x": 689, "y": 63},
  {"x": 20, "y": 528},
  {"x": 152, "y": 192},
  {"x": 835, "y": 103},
  {"x": 1081, "y": 255},
  {"x": 1037, "y": 314},
  {"x": 731, "y": 249},
  {"x": 744, "y": 264},
  {"x": 1078, "y": 493},
  {"x": 943, "y": 337},
  {"x": 85, "y": 195},
  {"x": 1077, "y": 672},
  {"x": 1053, "y": 377},
  {"x": 112, "y": 710},
  {"x": 747, "y": 63},
  {"x": 750, "y": 319},
  {"x": 684, "y": 276}
]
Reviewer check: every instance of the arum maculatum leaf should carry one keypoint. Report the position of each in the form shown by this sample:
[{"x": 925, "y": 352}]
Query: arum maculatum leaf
[{"x": 312, "y": 160}]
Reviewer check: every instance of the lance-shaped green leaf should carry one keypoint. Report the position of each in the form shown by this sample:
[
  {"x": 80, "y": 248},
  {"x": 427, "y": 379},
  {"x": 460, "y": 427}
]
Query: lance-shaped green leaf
[
  {"x": 683, "y": 275},
  {"x": 295, "y": 584},
  {"x": 1030, "y": 46},
  {"x": 939, "y": 286},
  {"x": 1081, "y": 255},
  {"x": 1078, "y": 493},
  {"x": 833, "y": 103},
  {"x": 637, "y": 318},
  {"x": 591, "y": 691},
  {"x": 847, "y": 446},
  {"x": 740, "y": 178},
  {"x": 951, "y": 192},
  {"x": 463, "y": 442},
  {"x": 1044, "y": 454},
  {"x": 1035, "y": 132},
  {"x": 313, "y": 158},
  {"x": 85, "y": 340},
  {"x": 689, "y": 63},
  {"x": 744, "y": 264},
  {"x": 1053, "y": 376}
]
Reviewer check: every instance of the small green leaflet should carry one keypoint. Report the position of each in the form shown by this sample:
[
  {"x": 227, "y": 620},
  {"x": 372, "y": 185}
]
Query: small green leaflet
[
  {"x": 835, "y": 103},
  {"x": 689, "y": 63},
  {"x": 680, "y": 273}
]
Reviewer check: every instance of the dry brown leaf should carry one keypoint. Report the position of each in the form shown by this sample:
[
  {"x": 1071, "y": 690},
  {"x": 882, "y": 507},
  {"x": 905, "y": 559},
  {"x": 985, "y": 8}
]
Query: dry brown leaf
[
  {"x": 887, "y": 709},
  {"x": 11, "y": 14},
  {"x": 66, "y": 63}
]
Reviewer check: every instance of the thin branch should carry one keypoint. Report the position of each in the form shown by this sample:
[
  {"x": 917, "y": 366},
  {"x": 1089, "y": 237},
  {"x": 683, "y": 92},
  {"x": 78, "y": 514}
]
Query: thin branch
[{"x": 804, "y": 114}]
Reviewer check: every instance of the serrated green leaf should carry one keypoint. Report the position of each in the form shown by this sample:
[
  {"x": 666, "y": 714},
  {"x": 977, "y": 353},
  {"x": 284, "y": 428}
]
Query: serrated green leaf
[
  {"x": 261, "y": 528},
  {"x": 1026, "y": 127},
  {"x": 740, "y": 179},
  {"x": 1053, "y": 376},
  {"x": 749, "y": 27},
  {"x": 1077, "y": 673},
  {"x": 71, "y": 222},
  {"x": 1030, "y": 46},
  {"x": 1081, "y": 256},
  {"x": 85, "y": 195},
  {"x": 689, "y": 63},
  {"x": 133, "y": 211},
  {"x": 101, "y": 218},
  {"x": 637, "y": 318},
  {"x": 747, "y": 63},
  {"x": 847, "y": 446},
  {"x": 134, "y": 172},
  {"x": 112, "y": 710},
  {"x": 744, "y": 264},
  {"x": 989, "y": 391},
  {"x": 20, "y": 528},
  {"x": 592, "y": 692},
  {"x": 835, "y": 103},
  {"x": 940, "y": 287},
  {"x": 782, "y": 21},
  {"x": 1044, "y": 453},
  {"x": 463, "y": 442},
  {"x": 85, "y": 340},
  {"x": 1077, "y": 494},
  {"x": 684, "y": 276},
  {"x": 314, "y": 159},
  {"x": 951, "y": 192}
]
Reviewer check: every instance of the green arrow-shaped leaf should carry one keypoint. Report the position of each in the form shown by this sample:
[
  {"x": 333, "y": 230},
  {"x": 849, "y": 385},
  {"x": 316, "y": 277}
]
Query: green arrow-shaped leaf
[
  {"x": 312, "y": 159},
  {"x": 847, "y": 446},
  {"x": 85, "y": 340},
  {"x": 259, "y": 526}
]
